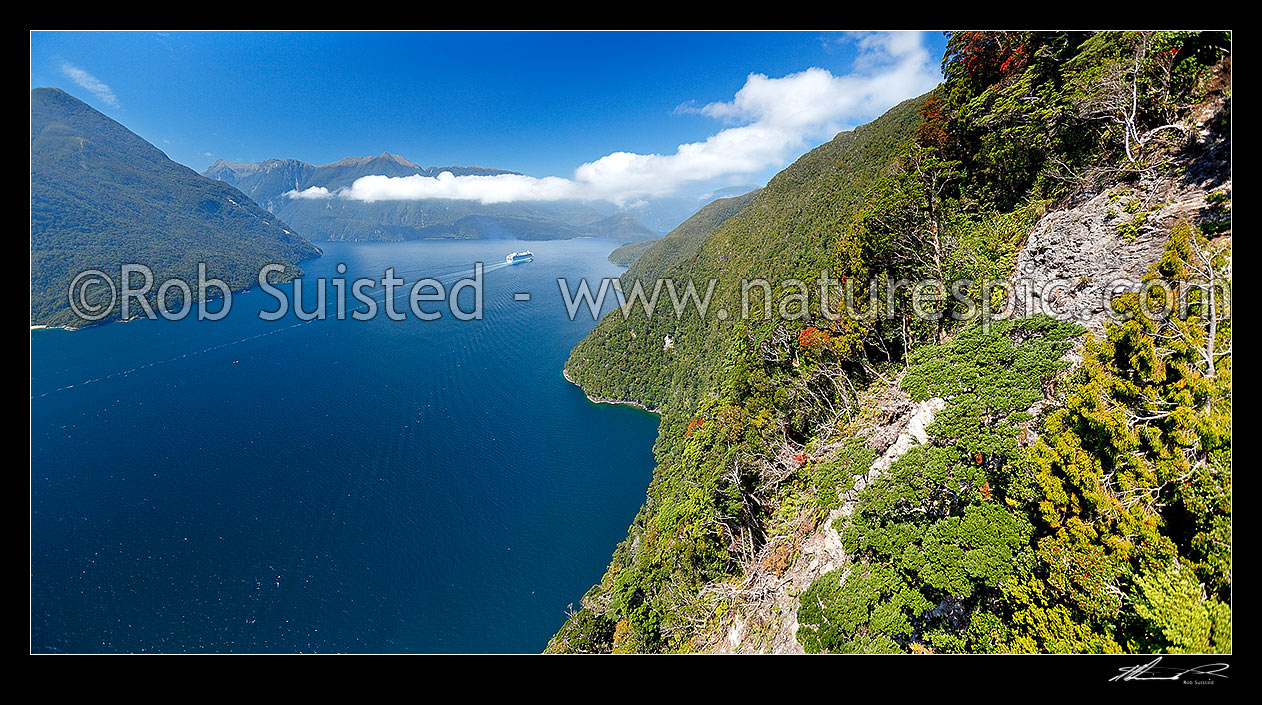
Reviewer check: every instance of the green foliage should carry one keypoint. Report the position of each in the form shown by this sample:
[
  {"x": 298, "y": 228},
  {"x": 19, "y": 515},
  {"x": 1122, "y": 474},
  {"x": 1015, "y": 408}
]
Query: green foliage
[
  {"x": 585, "y": 632},
  {"x": 936, "y": 527},
  {"x": 1009, "y": 113},
  {"x": 1134, "y": 469},
  {"x": 863, "y": 614},
  {"x": 1177, "y": 68},
  {"x": 1130, "y": 227},
  {"x": 1021, "y": 111},
  {"x": 1177, "y": 617},
  {"x": 1217, "y": 218},
  {"x": 837, "y": 476}
]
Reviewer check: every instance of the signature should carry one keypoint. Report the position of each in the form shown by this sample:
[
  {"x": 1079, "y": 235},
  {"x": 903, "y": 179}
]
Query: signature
[{"x": 1152, "y": 672}]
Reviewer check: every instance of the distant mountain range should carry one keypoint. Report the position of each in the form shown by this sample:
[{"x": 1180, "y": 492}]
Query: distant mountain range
[
  {"x": 268, "y": 182},
  {"x": 102, "y": 196}
]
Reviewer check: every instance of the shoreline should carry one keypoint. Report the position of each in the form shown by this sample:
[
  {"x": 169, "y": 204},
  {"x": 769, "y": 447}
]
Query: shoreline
[
  {"x": 90, "y": 324},
  {"x": 603, "y": 400},
  {"x": 234, "y": 292}
]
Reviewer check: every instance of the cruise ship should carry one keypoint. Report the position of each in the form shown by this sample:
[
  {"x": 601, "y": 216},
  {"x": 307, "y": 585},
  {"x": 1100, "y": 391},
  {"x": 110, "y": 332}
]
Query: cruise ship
[{"x": 519, "y": 257}]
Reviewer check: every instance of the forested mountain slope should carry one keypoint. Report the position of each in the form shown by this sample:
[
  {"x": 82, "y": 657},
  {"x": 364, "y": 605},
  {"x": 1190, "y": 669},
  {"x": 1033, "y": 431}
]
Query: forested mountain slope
[
  {"x": 844, "y": 483},
  {"x": 101, "y": 196},
  {"x": 781, "y": 231}
]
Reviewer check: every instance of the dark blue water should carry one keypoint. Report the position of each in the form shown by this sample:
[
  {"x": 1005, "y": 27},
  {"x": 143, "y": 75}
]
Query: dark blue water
[{"x": 243, "y": 485}]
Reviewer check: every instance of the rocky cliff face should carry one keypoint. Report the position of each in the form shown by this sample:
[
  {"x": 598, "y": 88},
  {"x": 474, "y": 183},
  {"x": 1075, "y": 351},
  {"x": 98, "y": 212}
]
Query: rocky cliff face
[{"x": 1102, "y": 241}]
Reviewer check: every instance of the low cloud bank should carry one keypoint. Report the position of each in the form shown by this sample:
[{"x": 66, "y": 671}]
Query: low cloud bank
[{"x": 774, "y": 119}]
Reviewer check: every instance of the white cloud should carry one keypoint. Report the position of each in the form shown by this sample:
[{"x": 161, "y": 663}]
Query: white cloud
[
  {"x": 500, "y": 188},
  {"x": 773, "y": 120},
  {"x": 315, "y": 192},
  {"x": 91, "y": 83}
]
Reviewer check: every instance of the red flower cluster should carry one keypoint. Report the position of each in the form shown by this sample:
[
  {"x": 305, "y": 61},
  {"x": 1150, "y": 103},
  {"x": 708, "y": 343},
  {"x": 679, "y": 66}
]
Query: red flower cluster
[
  {"x": 989, "y": 56},
  {"x": 813, "y": 337},
  {"x": 1014, "y": 61},
  {"x": 932, "y": 131}
]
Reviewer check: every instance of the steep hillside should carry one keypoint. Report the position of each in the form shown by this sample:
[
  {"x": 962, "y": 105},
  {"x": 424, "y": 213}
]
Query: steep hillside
[
  {"x": 677, "y": 543},
  {"x": 102, "y": 196},
  {"x": 928, "y": 481},
  {"x": 269, "y": 182},
  {"x": 784, "y": 230}
]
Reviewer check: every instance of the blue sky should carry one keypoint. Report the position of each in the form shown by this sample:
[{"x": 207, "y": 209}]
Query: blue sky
[{"x": 540, "y": 103}]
